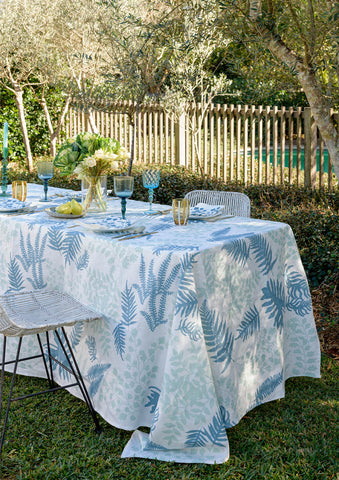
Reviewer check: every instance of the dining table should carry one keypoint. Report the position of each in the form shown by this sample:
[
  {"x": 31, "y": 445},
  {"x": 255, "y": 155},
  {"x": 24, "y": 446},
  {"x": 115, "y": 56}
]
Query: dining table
[{"x": 201, "y": 323}]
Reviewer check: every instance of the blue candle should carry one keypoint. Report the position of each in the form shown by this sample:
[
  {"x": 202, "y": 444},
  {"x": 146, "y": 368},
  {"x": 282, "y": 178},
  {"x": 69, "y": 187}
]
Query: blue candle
[{"x": 5, "y": 141}]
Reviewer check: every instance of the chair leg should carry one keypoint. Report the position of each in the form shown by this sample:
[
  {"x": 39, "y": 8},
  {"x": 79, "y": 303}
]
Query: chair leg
[
  {"x": 10, "y": 392},
  {"x": 78, "y": 376},
  {"x": 49, "y": 378},
  {"x": 3, "y": 362},
  {"x": 49, "y": 355}
]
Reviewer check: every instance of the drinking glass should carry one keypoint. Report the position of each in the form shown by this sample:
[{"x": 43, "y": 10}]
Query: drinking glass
[
  {"x": 180, "y": 211},
  {"x": 19, "y": 190},
  {"x": 123, "y": 188},
  {"x": 45, "y": 173},
  {"x": 150, "y": 180}
]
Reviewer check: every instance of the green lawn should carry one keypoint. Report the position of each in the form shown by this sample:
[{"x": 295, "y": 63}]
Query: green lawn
[{"x": 52, "y": 437}]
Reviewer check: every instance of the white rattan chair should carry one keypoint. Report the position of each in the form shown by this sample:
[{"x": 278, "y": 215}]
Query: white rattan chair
[
  {"x": 235, "y": 203},
  {"x": 37, "y": 312}
]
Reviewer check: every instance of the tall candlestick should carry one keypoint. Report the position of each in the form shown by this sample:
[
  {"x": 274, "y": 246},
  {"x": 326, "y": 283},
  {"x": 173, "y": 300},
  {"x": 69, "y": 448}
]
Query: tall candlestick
[
  {"x": 5, "y": 141},
  {"x": 4, "y": 162}
]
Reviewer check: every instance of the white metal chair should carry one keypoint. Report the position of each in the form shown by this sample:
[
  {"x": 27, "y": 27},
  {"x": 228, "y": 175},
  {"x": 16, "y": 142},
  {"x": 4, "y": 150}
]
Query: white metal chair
[
  {"x": 37, "y": 312},
  {"x": 235, "y": 203}
]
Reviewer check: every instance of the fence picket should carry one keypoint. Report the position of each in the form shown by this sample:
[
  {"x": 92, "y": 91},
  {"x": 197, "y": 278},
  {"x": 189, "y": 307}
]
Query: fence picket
[{"x": 229, "y": 142}]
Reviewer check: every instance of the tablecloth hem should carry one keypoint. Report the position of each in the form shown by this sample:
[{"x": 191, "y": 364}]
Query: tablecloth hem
[{"x": 137, "y": 446}]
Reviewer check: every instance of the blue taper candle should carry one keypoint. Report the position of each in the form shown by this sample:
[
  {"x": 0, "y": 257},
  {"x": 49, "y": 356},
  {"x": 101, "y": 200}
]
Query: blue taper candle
[
  {"x": 4, "y": 162},
  {"x": 5, "y": 141}
]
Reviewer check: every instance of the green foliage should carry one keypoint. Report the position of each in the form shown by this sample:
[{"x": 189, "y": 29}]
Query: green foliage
[
  {"x": 36, "y": 123},
  {"x": 73, "y": 151}
]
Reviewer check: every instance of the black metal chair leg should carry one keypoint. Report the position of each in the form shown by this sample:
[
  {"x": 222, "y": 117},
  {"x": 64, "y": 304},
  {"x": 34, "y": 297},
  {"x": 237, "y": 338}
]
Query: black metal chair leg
[
  {"x": 2, "y": 372},
  {"x": 49, "y": 355},
  {"x": 77, "y": 374},
  {"x": 10, "y": 394},
  {"x": 45, "y": 364}
]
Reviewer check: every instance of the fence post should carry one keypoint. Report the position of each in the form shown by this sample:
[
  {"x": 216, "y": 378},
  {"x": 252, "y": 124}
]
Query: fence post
[
  {"x": 310, "y": 150},
  {"x": 180, "y": 144}
]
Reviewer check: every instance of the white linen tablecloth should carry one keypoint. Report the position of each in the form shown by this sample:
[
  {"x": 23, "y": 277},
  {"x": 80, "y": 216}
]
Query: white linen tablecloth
[{"x": 201, "y": 323}]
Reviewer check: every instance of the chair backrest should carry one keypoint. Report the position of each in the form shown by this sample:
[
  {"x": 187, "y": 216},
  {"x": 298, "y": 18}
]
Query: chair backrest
[{"x": 235, "y": 203}]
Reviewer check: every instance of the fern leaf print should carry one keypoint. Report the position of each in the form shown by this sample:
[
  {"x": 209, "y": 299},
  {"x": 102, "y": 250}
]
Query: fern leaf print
[
  {"x": 119, "y": 335},
  {"x": 83, "y": 261},
  {"x": 92, "y": 349},
  {"x": 250, "y": 324},
  {"x": 218, "y": 338},
  {"x": 274, "y": 302},
  {"x": 15, "y": 276},
  {"x": 153, "y": 398},
  {"x": 299, "y": 298},
  {"x": 239, "y": 250},
  {"x": 262, "y": 253},
  {"x": 214, "y": 433},
  {"x": 267, "y": 387}
]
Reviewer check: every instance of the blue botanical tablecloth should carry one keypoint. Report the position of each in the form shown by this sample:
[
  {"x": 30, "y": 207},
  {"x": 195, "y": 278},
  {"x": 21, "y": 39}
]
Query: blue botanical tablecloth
[{"x": 201, "y": 323}]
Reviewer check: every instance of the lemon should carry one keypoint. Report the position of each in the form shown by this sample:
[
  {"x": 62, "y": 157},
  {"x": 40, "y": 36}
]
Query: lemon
[
  {"x": 76, "y": 208},
  {"x": 65, "y": 208}
]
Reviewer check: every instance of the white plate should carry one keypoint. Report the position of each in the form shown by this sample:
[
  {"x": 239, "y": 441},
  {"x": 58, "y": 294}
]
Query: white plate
[
  {"x": 11, "y": 205},
  {"x": 111, "y": 224},
  {"x": 203, "y": 211},
  {"x": 51, "y": 212}
]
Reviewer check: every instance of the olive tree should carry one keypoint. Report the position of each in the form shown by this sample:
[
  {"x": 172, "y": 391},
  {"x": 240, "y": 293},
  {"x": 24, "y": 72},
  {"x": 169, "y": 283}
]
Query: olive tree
[
  {"x": 19, "y": 39},
  {"x": 138, "y": 54},
  {"x": 44, "y": 44},
  {"x": 302, "y": 36},
  {"x": 194, "y": 38}
]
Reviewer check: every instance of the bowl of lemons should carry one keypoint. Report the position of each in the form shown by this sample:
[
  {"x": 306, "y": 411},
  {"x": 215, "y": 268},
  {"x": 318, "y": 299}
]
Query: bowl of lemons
[{"x": 72, "y": 209}]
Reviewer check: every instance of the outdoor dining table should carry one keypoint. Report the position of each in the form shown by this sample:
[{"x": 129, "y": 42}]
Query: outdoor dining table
[{"x": 202, "y": 322}]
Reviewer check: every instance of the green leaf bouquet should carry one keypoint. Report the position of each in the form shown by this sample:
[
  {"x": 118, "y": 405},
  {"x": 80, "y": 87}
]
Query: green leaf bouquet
[{"x": 75, "y": 151}]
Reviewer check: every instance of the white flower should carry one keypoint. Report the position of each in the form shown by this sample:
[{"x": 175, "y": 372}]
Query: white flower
[
  {"x": 90, "y": 162},
  {"x": 124, "y": 154}
]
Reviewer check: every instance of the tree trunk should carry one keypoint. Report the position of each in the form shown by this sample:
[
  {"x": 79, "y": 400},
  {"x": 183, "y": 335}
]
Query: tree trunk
[
  {"x": 54, "y": 133},
  {"x": 91, "y": 121},
  {"x": 133, "y": 119},
  {"x": 308, "y": 81},
  {"x": 20, "y": 105}
]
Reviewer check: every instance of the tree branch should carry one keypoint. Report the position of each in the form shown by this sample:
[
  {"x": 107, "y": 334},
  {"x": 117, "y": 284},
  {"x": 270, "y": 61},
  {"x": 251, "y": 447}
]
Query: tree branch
[{"x": 301, "y": 32}]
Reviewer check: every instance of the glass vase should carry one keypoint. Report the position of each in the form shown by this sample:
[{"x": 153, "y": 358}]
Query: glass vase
[{"x": 94, "y": 193}]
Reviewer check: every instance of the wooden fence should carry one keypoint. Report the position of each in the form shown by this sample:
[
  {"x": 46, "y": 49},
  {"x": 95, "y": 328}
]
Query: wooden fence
[{"x": 227, "y": 142}]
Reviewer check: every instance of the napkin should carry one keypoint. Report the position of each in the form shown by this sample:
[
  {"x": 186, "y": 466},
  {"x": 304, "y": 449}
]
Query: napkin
[
  {"x": 11, "y": 204},
  {"x": 202, "y": 210}
]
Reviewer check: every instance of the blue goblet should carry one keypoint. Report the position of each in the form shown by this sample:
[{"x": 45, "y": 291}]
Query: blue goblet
[
  {"x": 150, "y": 180},
  {"x": 123, "y": 188},
  {"x": 45, "y": 173}
]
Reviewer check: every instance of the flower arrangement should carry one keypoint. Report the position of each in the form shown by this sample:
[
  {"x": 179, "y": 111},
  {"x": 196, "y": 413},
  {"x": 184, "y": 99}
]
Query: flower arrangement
[
  {"x": 103, "y": 152},
  {"x": 90, "y": 156},
  {"x": 100, "y": 163}
]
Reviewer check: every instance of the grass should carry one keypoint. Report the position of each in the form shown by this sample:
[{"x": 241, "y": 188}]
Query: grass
[{"x": 52, "y": 437}]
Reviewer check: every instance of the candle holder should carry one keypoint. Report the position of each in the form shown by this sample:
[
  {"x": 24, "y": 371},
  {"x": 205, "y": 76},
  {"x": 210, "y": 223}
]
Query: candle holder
[{"x": 4, "y": 163}]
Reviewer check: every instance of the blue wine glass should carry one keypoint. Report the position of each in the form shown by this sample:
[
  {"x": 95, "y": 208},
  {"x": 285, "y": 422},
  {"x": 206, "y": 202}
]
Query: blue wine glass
[
  {"x": 45, "y": 173},
  {"x": 123, "y": 188},
  {"x": 150, "y": 180}
]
